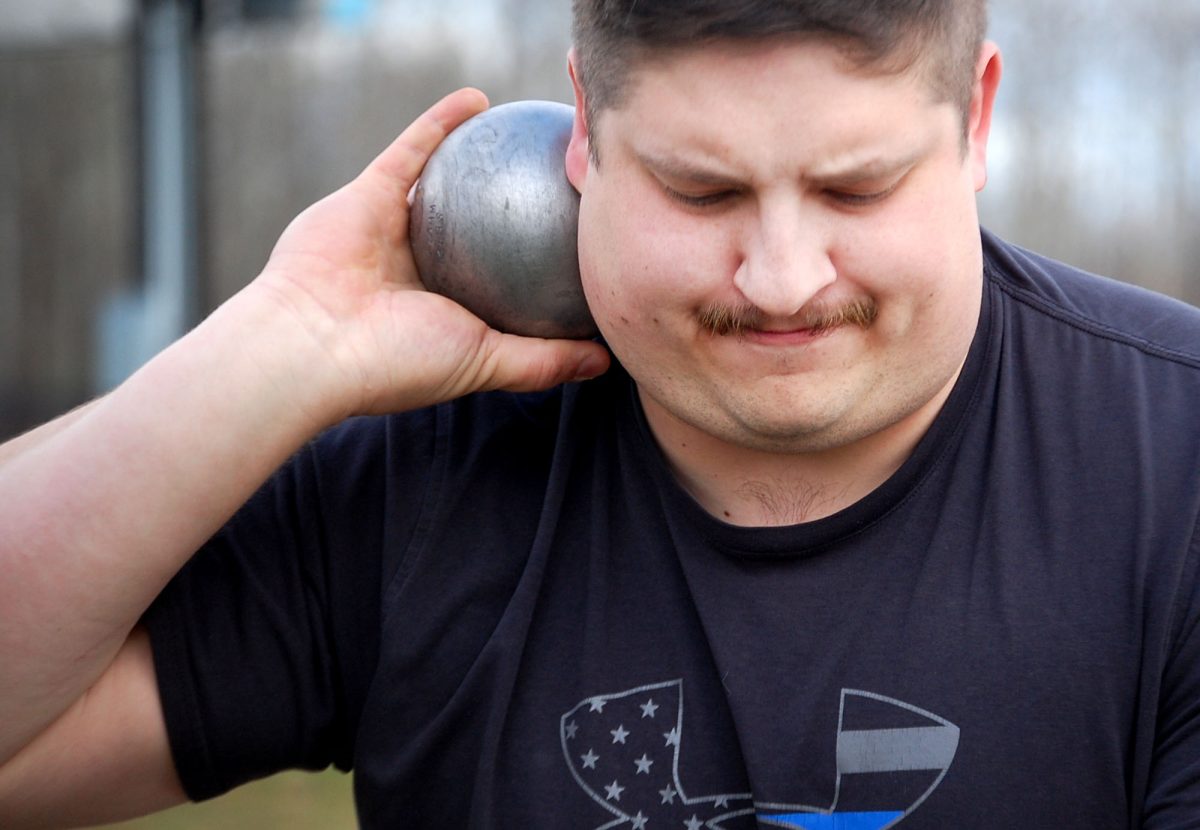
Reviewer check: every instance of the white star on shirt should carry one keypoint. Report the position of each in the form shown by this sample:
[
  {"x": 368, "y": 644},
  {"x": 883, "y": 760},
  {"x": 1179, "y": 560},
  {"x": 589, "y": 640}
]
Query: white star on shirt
[
  {"x": 614, "y": 791},
  {"x": 722, "y": 801},
  {"x": 649, "y": 708},
  {"x": 672, "y": 737},
  {"x": 694, "y": 823},
  {"x": 619, "y": 734},
  {"x": 589, "y": 760},
  {"x": 597, "y": 704},
  {"x": 639, "y": 821},
  {"x": 668, "y": 795},
  {"x": 572, "y": 728},
  {"x": 643, "y": 764}
]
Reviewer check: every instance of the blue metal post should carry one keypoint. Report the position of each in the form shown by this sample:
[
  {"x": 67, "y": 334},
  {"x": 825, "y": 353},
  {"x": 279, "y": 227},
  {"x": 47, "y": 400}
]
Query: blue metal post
[{"x": 137, "y": 326}]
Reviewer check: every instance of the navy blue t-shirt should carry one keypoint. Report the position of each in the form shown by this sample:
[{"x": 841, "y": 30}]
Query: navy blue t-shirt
[{"x": 504, "y": 612}]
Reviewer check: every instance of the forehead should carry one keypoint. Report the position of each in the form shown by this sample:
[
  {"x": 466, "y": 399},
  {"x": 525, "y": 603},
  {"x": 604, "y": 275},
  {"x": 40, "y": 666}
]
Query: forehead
[
  {"x": 809, "y": 62},
  {"x": 783, "y": 102},
  {"x": 910, "y": 57}
]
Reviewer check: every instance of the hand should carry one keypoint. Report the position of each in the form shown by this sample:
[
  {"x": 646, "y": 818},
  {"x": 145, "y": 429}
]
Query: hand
[{"x": 344, "y": 271}]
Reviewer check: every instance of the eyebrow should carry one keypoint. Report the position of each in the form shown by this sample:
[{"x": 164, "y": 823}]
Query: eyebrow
[
  {"x": 878, "y": 167},
  {"x": 851, "y": 172},
  {"x": 685, "y": 171}
]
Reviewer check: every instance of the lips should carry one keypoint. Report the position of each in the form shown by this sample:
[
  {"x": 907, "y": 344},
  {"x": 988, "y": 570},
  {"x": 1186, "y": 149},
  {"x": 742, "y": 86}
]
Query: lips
[{"x": 786, "y": 337}]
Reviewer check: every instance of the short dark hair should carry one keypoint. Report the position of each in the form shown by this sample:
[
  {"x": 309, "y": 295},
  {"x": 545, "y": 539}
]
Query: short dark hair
[{"x": 943, "y": 37}]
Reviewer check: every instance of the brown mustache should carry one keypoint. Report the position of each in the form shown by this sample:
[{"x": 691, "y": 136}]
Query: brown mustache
[{"x": 721, "y": 320}]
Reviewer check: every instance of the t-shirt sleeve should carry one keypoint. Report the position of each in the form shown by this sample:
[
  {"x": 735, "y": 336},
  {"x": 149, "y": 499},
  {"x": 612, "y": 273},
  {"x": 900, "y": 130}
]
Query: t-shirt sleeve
[
  {"x": 1173, "y": 795},
  {"x": 266, "y": 641}
]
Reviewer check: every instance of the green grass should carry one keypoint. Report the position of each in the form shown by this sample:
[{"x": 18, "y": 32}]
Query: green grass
[{"x": 292, "y": 800}]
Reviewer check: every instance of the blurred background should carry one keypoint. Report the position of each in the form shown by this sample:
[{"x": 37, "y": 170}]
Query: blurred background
[{"x": 152, "y": 150}]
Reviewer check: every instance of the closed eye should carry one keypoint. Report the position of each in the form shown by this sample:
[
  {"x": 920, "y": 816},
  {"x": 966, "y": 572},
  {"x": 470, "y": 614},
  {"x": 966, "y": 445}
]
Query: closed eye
[
  {"x": 851, "y": 198},
  {"x": 699, "y": 200}
]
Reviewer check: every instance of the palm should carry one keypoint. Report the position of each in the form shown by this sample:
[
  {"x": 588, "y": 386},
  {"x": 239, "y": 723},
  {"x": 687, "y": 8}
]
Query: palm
[{"x": 345, "y": 270}]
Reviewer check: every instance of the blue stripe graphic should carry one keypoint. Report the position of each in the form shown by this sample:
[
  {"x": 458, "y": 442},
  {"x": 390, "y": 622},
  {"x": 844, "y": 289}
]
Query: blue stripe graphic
[{"x": 834, "y": 821}]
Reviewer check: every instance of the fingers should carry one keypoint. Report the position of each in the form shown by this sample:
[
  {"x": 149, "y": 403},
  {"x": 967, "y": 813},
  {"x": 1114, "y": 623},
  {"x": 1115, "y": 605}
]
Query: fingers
[{"x": 399, "y": 166}]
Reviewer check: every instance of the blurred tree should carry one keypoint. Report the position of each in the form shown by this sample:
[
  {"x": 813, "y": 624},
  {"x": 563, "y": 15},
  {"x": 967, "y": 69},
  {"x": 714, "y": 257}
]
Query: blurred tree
[{"x": 1096, "y": 158}]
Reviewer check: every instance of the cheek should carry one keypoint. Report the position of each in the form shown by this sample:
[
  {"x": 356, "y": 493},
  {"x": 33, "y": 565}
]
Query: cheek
[
  {"x": 902, "y": 253},
  {"x": 607, "y": 282},
  {"x": 600, "y": 264},
  {"x": 636, "y": 263}
]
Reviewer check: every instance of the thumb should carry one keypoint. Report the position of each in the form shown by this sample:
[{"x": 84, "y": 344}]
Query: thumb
[
  {"x": 399, "y": 166},
  {"x": 527, "y": 364}
]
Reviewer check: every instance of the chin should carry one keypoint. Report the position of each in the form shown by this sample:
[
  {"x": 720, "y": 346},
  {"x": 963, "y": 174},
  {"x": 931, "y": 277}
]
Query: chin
[{"x": 782, "y": 437}]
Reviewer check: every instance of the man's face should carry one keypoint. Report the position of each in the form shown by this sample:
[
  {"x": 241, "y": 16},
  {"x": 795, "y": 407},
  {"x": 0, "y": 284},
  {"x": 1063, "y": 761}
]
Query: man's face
[{"x": 783, "y": 252}]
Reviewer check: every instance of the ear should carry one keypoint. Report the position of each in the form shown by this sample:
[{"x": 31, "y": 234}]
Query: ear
[
  {"x": 578, "y": 156},
  {"x": 987, "y": 80}
]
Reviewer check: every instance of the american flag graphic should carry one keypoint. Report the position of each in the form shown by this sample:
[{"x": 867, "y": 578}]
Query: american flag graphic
[{"x": 623, "y": 749}]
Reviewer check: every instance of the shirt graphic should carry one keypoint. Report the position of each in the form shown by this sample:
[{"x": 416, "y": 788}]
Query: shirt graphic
[{"x": 623, "y": 749}]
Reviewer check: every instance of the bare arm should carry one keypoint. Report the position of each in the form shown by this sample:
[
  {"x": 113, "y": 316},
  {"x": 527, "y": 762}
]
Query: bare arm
[
  {"x": 109, "y": 751},
  {"x": 98, "y": 511},
  {"x": 96, "y": 517},
  {"x": 15, "y": 446}
]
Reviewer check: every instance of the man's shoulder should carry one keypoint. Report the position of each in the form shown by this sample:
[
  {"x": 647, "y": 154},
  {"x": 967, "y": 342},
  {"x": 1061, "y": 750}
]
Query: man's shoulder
[
  {"x": 1098, "y": 306},
  {"x": 481, "y": 413},
  {"x": 474, "y": 429}
]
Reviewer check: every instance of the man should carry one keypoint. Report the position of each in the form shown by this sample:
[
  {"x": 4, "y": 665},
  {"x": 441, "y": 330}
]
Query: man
[{"x": 904, "y": 515}]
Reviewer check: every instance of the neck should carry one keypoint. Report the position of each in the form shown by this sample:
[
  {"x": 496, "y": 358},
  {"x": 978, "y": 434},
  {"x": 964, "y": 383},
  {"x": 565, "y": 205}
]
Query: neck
[{"x": 759, "y": 488}]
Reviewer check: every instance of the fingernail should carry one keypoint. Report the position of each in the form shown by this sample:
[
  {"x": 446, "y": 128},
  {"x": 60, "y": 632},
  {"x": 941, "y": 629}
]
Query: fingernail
[{"x": 590, "y": 367}]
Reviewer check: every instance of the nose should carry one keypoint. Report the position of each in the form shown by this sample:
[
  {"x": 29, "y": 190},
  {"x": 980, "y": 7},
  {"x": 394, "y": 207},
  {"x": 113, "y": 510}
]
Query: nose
[{"x": 785, "y": 260}]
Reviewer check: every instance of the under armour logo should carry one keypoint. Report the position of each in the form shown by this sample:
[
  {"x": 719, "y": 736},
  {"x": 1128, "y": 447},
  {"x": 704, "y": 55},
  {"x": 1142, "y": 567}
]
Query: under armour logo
[{"x": 623, "y": 749}]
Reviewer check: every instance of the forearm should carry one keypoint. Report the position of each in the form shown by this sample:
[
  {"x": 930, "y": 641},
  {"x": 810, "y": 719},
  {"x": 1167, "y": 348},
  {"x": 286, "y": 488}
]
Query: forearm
[
  {"x": 15, "y": 446},
  {"x": 97, "y": 514},
  {"x": 100, "y": 509}
]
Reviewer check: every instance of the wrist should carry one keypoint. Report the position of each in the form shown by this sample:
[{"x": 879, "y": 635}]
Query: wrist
[{"x": 278, "y": 361}]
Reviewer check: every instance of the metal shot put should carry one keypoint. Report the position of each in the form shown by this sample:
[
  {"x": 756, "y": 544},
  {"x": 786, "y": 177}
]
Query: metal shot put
[{"x": 494, "y": 220}]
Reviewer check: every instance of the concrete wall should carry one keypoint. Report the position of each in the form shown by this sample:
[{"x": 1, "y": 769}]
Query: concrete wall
[
  {"x": 288, "y": 113},
  {"x": 67, "y": 218}
]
